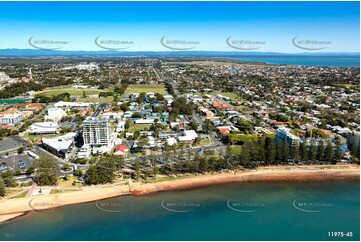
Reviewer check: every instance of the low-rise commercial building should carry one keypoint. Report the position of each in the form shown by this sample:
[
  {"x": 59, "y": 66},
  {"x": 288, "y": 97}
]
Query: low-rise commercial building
[
  {"x": 54, "y": 114},
  {"x": 11, "y": 119},
  {"x": 43, "y": 128},
  {"x": 62, "y": 104},
  {"x": 59, "y": 146}
]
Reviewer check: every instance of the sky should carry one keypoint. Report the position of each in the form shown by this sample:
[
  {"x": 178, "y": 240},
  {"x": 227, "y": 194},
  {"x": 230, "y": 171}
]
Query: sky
[{"x": 285, "y": 27}]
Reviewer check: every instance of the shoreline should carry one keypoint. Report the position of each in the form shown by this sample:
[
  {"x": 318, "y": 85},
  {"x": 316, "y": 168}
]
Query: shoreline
[
  {"x": 277, "y": 175},
  {"x": 17, "y": 207}
]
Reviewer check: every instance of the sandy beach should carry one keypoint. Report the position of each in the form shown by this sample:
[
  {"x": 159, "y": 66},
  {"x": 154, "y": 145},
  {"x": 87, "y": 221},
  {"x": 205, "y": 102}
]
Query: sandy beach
[{"x": 12, "y": 208}]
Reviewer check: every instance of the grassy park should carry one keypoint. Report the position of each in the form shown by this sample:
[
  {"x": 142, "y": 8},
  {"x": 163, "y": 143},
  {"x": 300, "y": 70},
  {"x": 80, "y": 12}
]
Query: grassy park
[
  {"x": 72, "y": 92},
  {"x": 138, "y": 88}
]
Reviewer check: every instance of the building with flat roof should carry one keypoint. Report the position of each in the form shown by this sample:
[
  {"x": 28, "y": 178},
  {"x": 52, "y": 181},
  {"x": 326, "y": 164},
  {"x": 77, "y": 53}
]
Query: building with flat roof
[
  {"x": 144, "y": 121},
  {"x": 54, "y": 114},
  {"x": 112, "y": 115},
  {"x": 62, "y": 104},
  {"x": 43, "y": 128},
  {"x": 188, "y": 136},
  {"x": 96, "y": 131},
  {"x": 60, "y": 146},
  {"x": 11, "y": 119},
  {"x": 283, "y": 135},
  {"x": 84, "y": 152},
  {"x": 86, "y": 66}
]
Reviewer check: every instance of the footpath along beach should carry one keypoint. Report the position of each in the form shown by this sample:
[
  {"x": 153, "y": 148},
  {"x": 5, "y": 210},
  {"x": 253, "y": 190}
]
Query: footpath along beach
[{"x": 12, "y": 208}]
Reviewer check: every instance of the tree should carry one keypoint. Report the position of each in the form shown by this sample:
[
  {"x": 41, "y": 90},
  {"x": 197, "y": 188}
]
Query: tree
[
  {"x": 245, "y": 155},
  {"x": 156, "y": 133},
  {"x": 295, "y": 152},
  {"x": 136, "y": 115},
  {"x": 66, "y": 167},
  {"x": 208, "y": 126},
  {"x": 329, "y": 151},
  {"x": 128, "y": 123},
  {"x": 9, "y": 179},
  {"x": 2, "y": 188},
  {"x": 174, "y": 114},
  {"x": 45, "y": 171},
  {"x": 355, "y": 150},
  {"x": 245, "y": 125},
  {"x": 84, "y": 94},
  {"x": 182, "y": 105},
  {"x": 259, "y": 153},
  {"x": 193, "y": 125},
  {"x": 270, "y": 151},
  {"x": 321, "y": 151},
  {"x": 137, "y": 169},
  {"x": 203, "y": 165},
  {"x": 303, "y": 151},
  {"x": 21, "y": 150},
  {"x": 101, "y": 172},
  {"x": 313, "y": 151},
  {"x": 143, "y": 142},
  {"x": 141, "y": 98},
  {"x": 136, "y": 134},
  {"x": 159, "y": 97},
  {"x": 78, "y": 173},
  {"x": 338, "y": 151},
  {"x": 30, "y": 170},
  {"x": 279, "y": 152},
  {"x": 154, "y": 166},
  {"x": 286, "y": 152}
]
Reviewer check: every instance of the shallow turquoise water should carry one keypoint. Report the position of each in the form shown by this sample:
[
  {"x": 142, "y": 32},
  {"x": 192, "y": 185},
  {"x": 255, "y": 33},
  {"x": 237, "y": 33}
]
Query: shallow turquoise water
[{"x": 274, "y": 211}]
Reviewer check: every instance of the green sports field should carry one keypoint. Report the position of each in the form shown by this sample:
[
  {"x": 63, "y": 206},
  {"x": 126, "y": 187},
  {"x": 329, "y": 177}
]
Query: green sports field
[{"x": 138, "y": 88}]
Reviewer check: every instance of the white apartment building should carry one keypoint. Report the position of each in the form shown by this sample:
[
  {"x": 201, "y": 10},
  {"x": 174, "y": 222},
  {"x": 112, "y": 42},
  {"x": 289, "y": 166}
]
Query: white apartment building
[
  {"x": 284, "y": 135},
  {"x": 11, "y": 119},
  {"x": 96, "y": 132}
]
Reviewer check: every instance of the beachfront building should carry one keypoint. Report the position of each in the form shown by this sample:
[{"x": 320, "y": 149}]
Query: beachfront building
[
  {"x": 283, "y": 135},
  {"x": 96, "y": 131}
]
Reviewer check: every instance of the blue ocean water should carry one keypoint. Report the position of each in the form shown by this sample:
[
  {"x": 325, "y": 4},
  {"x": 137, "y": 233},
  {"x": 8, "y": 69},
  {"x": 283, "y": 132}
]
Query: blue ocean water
[
  {"x": 307, "y": 61},
  {"x": 263, "y": 211}
]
